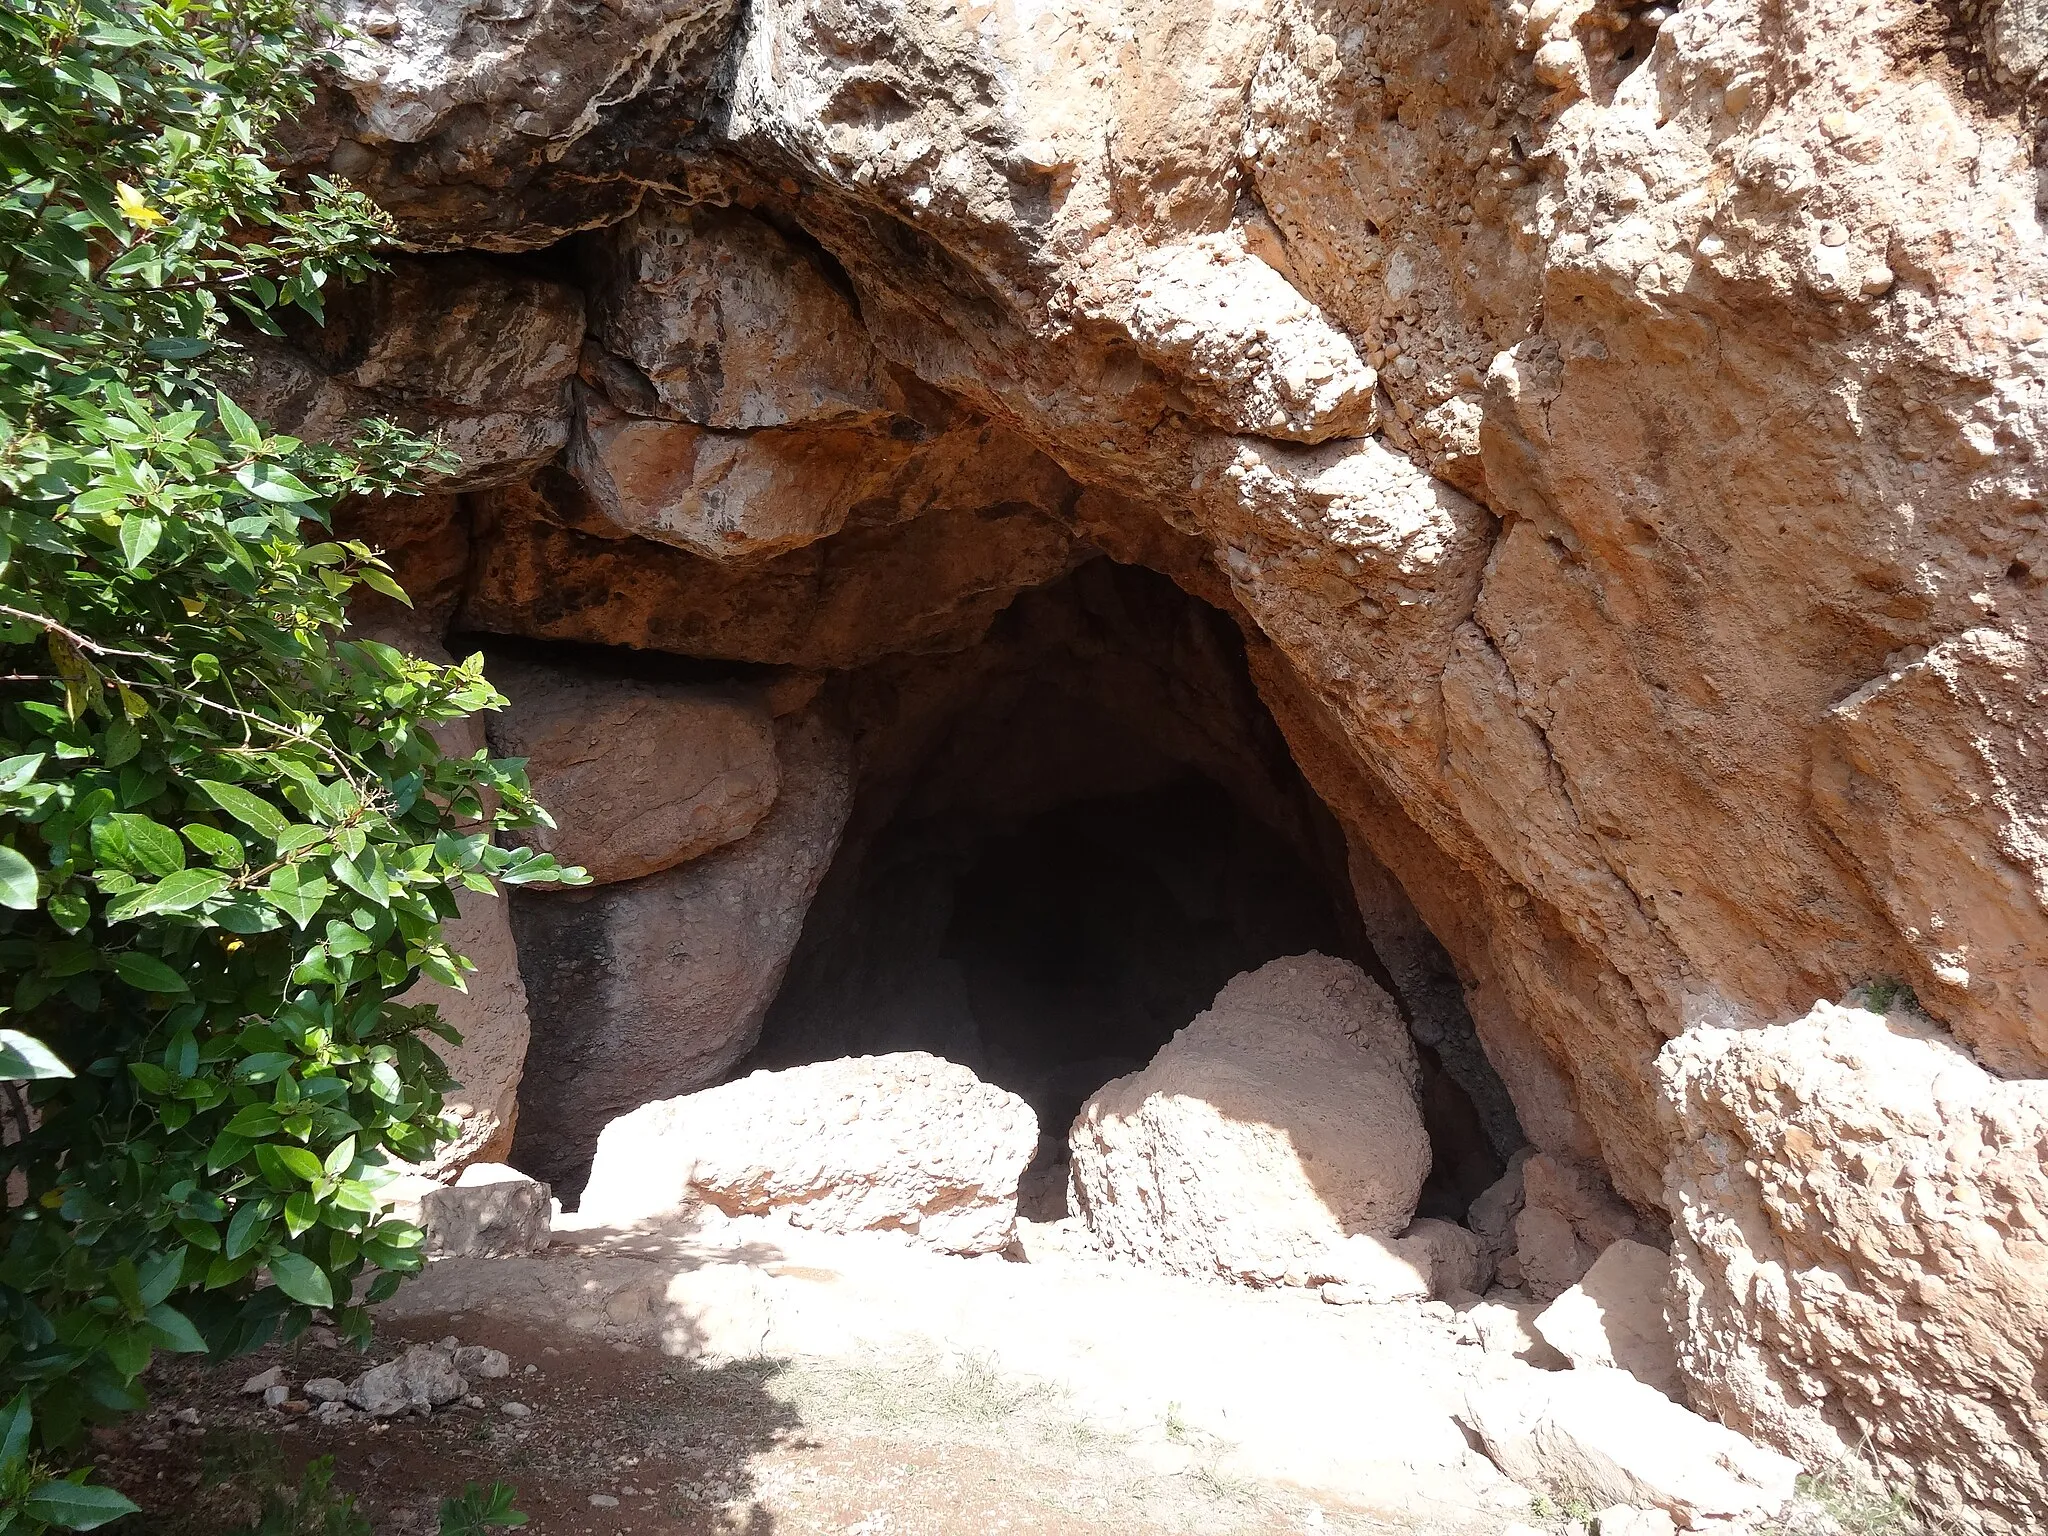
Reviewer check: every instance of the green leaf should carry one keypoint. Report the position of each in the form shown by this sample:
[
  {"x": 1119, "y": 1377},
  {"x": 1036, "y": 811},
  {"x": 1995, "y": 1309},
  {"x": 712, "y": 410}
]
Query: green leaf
[
  {"x": 159, "y": 1277},
  {"x": 378, "y": 581},
  {"x": 140, "y": 532},
  {"x": 242, "y": 431},
  {"x": 301, "y": 1279},
  {"x": 301, "y": 1211},
  {"x": 296, "y": 1160},
  {"x": 252, "y": 812},
  {"x": 147, "y": 973},
  {"x": 24, "y": 1058},
  {"x": 78, "y": 1506},
  {"x": 129, "y": 1350},
  {"x": 17, "y": 881},
  {"x": 296, "y": 894},
  {"x": 19, "y": 772},
  {"x": 138, "y": 843},
  {"x": 245, "y": 1230},
  {"x": 182, "y": 892},
  {"x": 15, "y": 1423},
  {"x": 222, "y": 848},
  {"x": 174, "y": 1331}
]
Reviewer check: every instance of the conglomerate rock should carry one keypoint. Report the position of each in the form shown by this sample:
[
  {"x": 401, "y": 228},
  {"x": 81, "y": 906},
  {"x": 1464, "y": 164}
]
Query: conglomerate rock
[{"x": 1861, "y": 1219}]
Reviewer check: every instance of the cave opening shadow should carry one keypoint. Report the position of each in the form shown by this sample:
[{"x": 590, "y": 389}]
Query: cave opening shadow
[{"x": 1064, "y": 844}]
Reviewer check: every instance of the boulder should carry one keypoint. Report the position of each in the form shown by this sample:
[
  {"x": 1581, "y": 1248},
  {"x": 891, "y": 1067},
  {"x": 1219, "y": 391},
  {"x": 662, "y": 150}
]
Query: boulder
[
  {"x": 489, "y": 1212},
  {"x": 726, "y": 323},
  {"x": 1276, "y": 1125},
  {"x": 1445, "y": 1252},
  {"x": 1569, "y": 1216},
  {"x": 640, "y": 776},
  {"x": 1615, "y": 1317},
  {"x": 1491, "y": 1217},
  {"x": 1603, "y": 1437},
  {"x": 655, "y": 987},
  {"x": 903, "y": 1142},
  {"x": 422, "y": 1379},
  {"x": 1860, "y": 1255}
]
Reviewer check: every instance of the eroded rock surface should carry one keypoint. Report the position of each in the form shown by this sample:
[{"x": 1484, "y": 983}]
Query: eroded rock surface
[
  {"x": 1617, "y": 431},
  {"x": 904, "y": 1143},
  {"x": 1859, "y": 1231},
  {"x": 644, "y": 776},
  {"x": 653, "y": 987},
  {"x": 1275, "y": 1126}
]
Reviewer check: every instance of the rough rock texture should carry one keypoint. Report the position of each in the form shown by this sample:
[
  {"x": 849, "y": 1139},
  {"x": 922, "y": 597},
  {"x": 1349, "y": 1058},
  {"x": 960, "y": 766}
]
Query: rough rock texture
[
  {"x": 1858, "y": 1256},
  {"x": 657, "y": 986},
  {"x": 489, "y": 1212},
  {"x": 1615, "y": 1317},
  {"x": 1666, "y": 655},
  {"x": 1569, "y": 1217},
  {"x": 405, "y": 345},
  {"x": 1277, "y": 1124},
  {"x": 1603, "y": 1437},
  {"x": 904, "y": 1142},
  {"x": 640, "y": 776}
]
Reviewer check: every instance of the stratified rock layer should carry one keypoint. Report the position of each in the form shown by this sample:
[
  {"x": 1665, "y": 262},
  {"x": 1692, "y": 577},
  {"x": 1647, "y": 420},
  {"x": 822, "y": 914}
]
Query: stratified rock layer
[
  {"x": 1264, "y": 1134},
  {"x": 1862, "y": 1253}
]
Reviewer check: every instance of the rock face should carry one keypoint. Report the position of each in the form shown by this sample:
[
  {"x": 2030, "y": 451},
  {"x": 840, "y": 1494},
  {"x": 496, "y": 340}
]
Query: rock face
[
  {"x": 1858, "y": 1253},
  {"x": 657, "y": 986},
  {"x": 1617, "y": 431},
  {"x": 905, "y": 1143},
  {"x": 1277, "y": 1124},
  {"x": 644, "y": 776}
]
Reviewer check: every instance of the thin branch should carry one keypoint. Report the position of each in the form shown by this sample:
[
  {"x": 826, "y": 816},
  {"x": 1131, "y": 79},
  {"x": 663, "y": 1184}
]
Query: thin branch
[{"x": 79, "y": 640}]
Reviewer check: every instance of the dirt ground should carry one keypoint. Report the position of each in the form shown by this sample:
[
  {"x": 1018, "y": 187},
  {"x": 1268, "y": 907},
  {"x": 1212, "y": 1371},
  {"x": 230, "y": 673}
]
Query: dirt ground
[{"x": 626, "y": 1440}]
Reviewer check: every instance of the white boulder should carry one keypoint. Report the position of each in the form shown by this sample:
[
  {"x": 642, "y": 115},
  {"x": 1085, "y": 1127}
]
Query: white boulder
[
  {"x": 904, "y": 1142},
  {"x": 1278, "y": 1124},
  {"x": 1615, "y": 1317},
  {"x": 1603, "y": 1437}
]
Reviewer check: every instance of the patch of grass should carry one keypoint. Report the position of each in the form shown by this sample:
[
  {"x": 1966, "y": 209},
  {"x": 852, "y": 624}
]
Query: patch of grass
[
  {"x": 1881, "y": 994},
  {"x": 1860, "y": 1504}
]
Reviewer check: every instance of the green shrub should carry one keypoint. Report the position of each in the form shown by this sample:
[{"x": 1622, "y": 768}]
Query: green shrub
[{"x": 228, "y": 840}]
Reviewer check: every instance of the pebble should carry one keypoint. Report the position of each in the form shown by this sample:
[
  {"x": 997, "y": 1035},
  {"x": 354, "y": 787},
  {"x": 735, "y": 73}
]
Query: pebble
[
  {"x": 514, "y": 1410},
  {"x": 276, "y": 1396},
  {"x": 327, "y": 1389},
  {"x": 264, "y": 1381},
  {"x": 187, "y": 1416},
  {"x": 603, "y": 1501}
]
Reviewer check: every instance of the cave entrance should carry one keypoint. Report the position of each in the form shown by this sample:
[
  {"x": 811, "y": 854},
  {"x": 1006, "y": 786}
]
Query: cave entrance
[{"x": 1064, "y": 842}]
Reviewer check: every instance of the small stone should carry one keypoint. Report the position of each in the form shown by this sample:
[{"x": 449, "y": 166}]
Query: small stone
[
  {"x": 472, "y": 1401},
  {"x": 258, "y": 1384},
  {"x": 481, "y": 1364},
  {"x": 327, "y": 1389},
  {"x": 187, "y": 1416},
  {"x": 1345, "y": 1295},
  {"x": 333, "y": 1412},
  {"x": 277, "y": 1396},
  {"x": 514, "y": 1410},
  {"x": 1834, "y": 234},
  {"x": 603, "y": 1501},
  {"x": 1878, "y": 280}
]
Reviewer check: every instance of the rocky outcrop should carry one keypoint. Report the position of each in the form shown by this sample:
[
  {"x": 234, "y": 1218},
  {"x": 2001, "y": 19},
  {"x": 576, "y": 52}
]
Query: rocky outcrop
[
  {"x": 1859, "y": 1230},
  {"x": 1617, "y": 431},
  {"x": 900, "y": 1143},
  {"x": 644, "y": 776},
  {"x": 1276, "y": 1125},
  {"x": 657, "y": 986}
]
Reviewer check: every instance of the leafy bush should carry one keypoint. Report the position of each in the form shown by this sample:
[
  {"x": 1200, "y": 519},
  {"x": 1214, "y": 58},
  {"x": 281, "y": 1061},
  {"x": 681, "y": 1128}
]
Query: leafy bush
[{"x": 228, "y": 839}]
